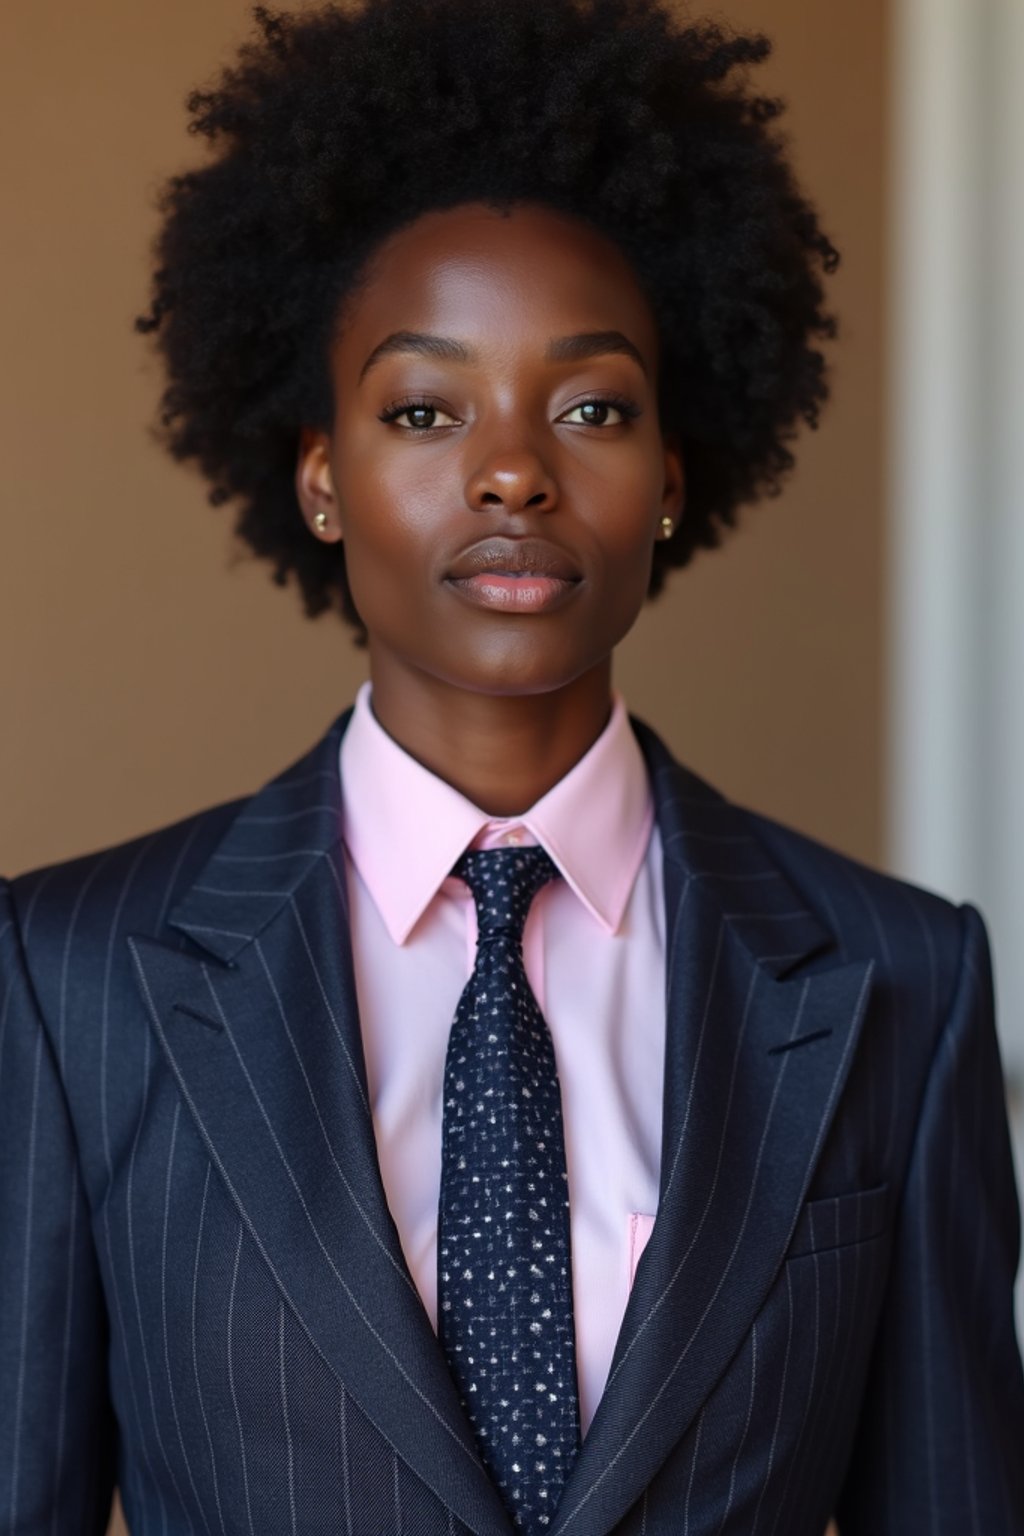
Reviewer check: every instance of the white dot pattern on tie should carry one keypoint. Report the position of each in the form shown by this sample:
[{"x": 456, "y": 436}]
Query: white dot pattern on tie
[{"x": 504, "y": 1273}]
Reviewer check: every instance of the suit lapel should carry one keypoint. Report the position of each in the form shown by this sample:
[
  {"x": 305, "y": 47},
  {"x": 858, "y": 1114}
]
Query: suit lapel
[
  {"x": 262, "y": 1035},
  {"x": 756, "y": 1056}
]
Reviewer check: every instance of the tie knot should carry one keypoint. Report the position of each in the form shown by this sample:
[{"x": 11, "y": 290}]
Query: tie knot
[{"x": 504, "y": 882}]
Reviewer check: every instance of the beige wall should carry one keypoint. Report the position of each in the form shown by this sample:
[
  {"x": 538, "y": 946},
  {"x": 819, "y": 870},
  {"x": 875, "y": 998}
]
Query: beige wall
[{"x": 143, "y": 675}]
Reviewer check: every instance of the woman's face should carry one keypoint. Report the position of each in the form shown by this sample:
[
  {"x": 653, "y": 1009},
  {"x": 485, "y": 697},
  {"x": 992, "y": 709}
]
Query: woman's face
[{"x": 495, "y": 466}]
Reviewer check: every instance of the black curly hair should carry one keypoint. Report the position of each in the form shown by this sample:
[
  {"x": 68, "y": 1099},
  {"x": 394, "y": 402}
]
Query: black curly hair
[{"x": 337, "y": 125}]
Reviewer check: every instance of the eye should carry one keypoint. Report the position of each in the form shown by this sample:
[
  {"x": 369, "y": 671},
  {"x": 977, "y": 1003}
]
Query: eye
[
  {"x": 595, "y": 412},
  {"x": 421, "y": 413}
]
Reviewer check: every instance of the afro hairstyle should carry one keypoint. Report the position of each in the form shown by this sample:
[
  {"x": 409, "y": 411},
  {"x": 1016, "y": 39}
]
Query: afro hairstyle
[{"x": 336, "y": 125}]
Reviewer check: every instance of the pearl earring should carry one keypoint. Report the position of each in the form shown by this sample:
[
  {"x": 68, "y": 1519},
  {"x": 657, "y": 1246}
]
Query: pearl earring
[
  {"x": 668, "y": 527},
  {"x": 320, "y": 522}
]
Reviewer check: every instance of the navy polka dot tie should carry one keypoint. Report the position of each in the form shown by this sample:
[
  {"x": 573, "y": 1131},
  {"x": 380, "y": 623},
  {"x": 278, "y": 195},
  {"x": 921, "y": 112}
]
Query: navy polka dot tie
[{"x": 504, "y": 1275}]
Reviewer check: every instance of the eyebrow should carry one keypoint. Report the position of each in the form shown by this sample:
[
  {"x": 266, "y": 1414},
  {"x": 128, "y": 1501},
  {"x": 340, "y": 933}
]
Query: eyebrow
[{"x": 561, "y": 349}]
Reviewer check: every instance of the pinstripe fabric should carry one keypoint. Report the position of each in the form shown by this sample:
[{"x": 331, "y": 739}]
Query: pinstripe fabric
[{"x": 204, "y": 1297}]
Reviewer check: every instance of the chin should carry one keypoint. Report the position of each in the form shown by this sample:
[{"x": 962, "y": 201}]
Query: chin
[{"x": 507, "y": 672}]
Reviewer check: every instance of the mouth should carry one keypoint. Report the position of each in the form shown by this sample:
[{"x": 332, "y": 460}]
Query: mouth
[{"x": 515, "y": 575}]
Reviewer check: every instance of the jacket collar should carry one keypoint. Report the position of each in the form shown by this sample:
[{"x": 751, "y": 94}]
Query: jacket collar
[{"x": 296, "y": 818}]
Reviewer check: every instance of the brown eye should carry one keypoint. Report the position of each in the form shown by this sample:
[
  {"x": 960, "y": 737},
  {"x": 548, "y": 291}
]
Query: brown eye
[
  {"x": 421, "y": 415},
  {"x": 595, "y": 413}
]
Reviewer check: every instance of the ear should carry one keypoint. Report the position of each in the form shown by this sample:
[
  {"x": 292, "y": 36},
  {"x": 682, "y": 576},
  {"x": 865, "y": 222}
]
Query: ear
[
  {"x": 673, "y": 494},
  {"x": 314, "y": 486}
]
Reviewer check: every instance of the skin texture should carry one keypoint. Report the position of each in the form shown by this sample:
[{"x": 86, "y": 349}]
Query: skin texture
[{"x": 500, "y": 704}]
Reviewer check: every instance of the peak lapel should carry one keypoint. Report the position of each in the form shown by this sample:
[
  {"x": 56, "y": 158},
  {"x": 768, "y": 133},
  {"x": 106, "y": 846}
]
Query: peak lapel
[
  {"x": 263, "y": 1038},
  {"x": 266, "y": 853},
  {"x": 748, "y": 1098}
]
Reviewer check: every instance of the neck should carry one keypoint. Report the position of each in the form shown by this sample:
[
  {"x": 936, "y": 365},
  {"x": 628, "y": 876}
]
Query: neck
[{"x": 503, "y": 752}]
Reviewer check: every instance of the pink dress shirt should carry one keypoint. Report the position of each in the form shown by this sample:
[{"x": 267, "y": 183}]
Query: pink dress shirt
[{"x": 594, "y": 952}]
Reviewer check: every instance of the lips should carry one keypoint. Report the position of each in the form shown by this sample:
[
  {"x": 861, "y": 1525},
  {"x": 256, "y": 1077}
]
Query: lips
[
  {"x": 514, "y": 557},
  {"x": 515, "y": 576}
]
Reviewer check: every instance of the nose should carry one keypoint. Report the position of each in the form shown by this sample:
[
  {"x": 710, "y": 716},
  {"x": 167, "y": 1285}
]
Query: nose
[{"x": 513, "y": 477}]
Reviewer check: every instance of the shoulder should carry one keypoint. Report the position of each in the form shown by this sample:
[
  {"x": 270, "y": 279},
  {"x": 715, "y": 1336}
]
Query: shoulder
[
  {"x": 71, "y": 915},
  {"x": 916, "y": 937},
  {"x": 852, "y": 893},
  {"x": 920, "y": 945},
  {"x": 132, "y": 883}
]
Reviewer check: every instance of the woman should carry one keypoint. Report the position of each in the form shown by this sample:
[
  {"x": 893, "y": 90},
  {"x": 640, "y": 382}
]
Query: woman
[{"x": 488, "y": 1126}]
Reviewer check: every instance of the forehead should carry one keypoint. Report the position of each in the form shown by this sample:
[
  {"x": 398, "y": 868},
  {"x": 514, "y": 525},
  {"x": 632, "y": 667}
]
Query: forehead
[{"x": 498, "y": 277}]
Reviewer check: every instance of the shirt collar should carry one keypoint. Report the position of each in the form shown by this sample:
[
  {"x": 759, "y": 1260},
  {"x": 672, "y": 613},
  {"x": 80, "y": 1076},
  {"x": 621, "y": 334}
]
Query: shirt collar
[{"x": 404, "y": 827}]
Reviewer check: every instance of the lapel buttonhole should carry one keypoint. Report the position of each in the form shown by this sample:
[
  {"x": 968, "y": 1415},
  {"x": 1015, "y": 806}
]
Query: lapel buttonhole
[
  {"x": 791, "y": 1045},
  {"x": 201, "y": 1018}
]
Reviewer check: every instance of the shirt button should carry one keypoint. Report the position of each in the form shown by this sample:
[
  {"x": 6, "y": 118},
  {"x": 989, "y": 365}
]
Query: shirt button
[{"x": 514, "y": 837}]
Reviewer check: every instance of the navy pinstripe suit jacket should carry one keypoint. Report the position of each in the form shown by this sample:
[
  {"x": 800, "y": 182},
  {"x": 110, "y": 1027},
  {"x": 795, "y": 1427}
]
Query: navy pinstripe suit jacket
[{"x": 202, "y": 1293}]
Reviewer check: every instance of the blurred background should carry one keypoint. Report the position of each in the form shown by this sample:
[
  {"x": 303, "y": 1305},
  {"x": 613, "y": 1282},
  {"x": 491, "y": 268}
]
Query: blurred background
[{"x": 851, "y": 661}]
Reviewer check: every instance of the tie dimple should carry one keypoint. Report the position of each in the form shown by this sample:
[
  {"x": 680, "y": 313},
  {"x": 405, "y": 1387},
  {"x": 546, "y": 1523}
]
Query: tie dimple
[{"x": 504, "y": 1269}]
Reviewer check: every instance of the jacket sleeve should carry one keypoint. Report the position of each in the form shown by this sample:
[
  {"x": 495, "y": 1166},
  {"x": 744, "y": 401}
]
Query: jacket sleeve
[
  {"x": 57, "y": 1438},
  {"x": 941, "y": 1442}
]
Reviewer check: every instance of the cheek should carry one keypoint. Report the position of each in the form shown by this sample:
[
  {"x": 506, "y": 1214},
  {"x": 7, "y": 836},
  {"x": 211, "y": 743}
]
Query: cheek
[
  {"x": 389, "y": 523},
  {"x": 623, "y": 526},
  {"x": 385, "y": 572},
  {"x": 631, "y": 583}
]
